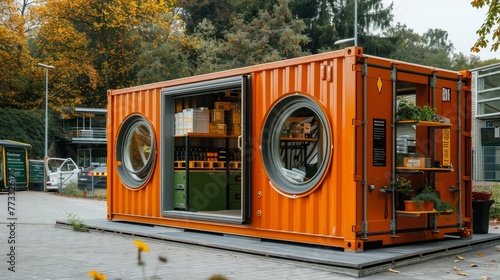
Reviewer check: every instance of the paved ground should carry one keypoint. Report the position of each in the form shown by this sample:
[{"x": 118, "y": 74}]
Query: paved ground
[{"x": 45, "y": 251}]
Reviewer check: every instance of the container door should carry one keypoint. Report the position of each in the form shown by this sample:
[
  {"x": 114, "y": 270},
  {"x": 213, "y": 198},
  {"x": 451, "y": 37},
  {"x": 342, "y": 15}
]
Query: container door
[{"x": 204, "y": 138}]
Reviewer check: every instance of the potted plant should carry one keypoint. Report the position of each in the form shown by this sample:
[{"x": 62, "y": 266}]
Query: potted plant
[
  {"x": 428, "y": 114},
  {"x": 403, "y": 188},
  {"x": 443, "y": 207},
  {"x": 407, "y": 111},
  {"x": 423, "y": 201},
  {"x": 481, "y": 193}
]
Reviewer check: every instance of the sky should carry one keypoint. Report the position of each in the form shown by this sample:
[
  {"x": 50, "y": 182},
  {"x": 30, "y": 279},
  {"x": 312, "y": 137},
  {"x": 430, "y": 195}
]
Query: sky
[{"x": 458, "y": 17}]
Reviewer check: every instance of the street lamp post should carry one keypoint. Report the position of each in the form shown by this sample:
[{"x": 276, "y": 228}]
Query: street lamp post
[
  {"x": 355, "y": 38},
  {"x": 46, "y": 120}
]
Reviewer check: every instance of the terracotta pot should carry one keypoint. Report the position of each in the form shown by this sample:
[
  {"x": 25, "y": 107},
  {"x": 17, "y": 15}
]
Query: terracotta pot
[{"x": 410, "y": 205}]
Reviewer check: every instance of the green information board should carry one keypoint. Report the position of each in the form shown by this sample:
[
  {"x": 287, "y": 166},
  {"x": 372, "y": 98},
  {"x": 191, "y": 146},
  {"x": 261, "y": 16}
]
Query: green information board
[
  {"x": 15, "y": 165},
  {"x": 36, "y": 171}
]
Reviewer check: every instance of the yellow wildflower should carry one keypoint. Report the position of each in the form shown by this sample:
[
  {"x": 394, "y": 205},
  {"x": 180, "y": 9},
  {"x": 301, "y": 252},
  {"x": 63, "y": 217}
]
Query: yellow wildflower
[
  {"x": 143, "y": 247},
  {"x": 96, "y": 275}
]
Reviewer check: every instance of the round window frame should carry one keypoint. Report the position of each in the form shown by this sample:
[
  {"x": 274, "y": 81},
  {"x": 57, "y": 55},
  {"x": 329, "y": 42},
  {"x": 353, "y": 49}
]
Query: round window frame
[
  {"x": 270, "y": 140},
  {"x": 129, "y": 176}
]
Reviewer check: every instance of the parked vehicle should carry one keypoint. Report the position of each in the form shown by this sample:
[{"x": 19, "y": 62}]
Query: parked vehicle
[
  {"x": 93, "y": 176},
  {"x": 61, "y": 171}
]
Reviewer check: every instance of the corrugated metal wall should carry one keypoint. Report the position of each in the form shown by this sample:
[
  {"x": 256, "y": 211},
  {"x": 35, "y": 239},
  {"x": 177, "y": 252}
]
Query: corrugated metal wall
[
  {"x": 331, "y": 83},
  {"x": 143, "y": 201}
]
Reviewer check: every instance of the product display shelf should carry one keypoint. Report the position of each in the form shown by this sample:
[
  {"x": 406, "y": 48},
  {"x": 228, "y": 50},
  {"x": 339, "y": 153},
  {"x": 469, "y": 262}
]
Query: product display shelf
[{"x": 418, "y": 169}]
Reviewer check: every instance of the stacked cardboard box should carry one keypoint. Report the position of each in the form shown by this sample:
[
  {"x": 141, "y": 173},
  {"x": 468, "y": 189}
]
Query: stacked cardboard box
[
  {"x": 192, "y": 120},
  {"x": 234, "y": 122}
]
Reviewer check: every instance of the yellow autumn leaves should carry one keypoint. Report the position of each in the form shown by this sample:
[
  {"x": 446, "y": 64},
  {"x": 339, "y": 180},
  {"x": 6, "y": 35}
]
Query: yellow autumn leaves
[{"x": 458, "y": 271}]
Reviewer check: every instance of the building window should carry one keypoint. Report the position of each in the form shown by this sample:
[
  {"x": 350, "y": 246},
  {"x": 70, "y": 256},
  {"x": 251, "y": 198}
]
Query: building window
[
  {"x": 135, "y": 149},
  {"x": 296, "y": 144},
  {"x": 488, "y": 92}
]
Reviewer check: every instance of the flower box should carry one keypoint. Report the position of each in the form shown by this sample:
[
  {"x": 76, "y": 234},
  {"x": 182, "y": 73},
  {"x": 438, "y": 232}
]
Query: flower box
[{"x": 481, "y": 195}]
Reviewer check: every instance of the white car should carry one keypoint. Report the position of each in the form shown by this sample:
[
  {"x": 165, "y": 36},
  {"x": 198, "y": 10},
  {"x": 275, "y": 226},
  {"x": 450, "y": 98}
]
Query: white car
[{"x": 61, "y": 171}]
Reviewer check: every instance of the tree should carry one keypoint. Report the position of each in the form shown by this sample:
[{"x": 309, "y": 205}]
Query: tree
[
  {"x": 28, "y": 126},
  {"x": 165, "y": 52},
  {"x": 330, "y": 20},
  {"x": 15, "y": 62},
  {"x": 272, "y": 36},
  {"x": 491, "y": 25},
  {"x": 461, "y": 61},
  {"x": 94, "y": 44},
  {"x": 431, "y": 48},
  {"x": 219, "y": 13}
]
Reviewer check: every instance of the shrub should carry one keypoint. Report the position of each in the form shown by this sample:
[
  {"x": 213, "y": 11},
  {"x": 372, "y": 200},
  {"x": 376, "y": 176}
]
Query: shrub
[{"x": 71, "y": 189}]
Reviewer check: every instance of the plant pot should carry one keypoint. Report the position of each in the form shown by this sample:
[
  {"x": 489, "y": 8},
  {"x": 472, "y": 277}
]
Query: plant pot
[
  {"x": 481, "y": 195},
  {"x": 400, "y": 201},
  {"x": 410, "y": 205}
]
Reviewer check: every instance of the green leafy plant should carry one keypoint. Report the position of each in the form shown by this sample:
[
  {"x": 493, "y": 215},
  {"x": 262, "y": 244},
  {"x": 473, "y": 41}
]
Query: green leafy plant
[
  {"x": 426, "y": 196},
  {"x": 76, "y": 223},
  {"x": 407, "y": 110},
  {"x": 429, "y": 193},
  {"x": 403, "y": 186},
  {"x": 428, "y": 114},
  {"x": 442, "y": 206}
]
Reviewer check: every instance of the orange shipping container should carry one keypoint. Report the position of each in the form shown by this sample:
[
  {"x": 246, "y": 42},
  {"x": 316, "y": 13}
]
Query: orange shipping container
[{"x": 315, "y": 160}]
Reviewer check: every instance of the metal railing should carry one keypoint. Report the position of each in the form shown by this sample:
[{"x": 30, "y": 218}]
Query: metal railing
[{"x": 95, "y": 133}]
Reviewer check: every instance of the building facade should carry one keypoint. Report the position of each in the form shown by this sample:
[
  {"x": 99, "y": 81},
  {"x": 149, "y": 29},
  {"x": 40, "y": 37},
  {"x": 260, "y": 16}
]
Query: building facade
[
  {"x": 486, "y": 106},
  {"x": 86, "y": 140}
]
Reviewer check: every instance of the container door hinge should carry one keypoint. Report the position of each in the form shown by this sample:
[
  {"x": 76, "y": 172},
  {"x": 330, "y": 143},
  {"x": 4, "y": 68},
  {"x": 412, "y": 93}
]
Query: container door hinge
[
  {"x": 364, "y": 227},
  {"x": 394, "y": 74},
  {"x": 356, "y": 122},
  {"x": 393, "y": 225},
  {"x": 433, "y": 81}
]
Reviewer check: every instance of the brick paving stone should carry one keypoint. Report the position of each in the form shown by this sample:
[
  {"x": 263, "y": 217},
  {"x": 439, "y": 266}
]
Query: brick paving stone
[{"x": 46, "y": 251}]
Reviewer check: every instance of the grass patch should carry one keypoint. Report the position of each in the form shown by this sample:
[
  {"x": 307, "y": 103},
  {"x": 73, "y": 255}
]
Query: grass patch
[
  {"x": 71, "y": 189},
  {"x": 98, "y": 194},
  {"x": 76, "y": 223},
  {"x": 495, "y": 207}
]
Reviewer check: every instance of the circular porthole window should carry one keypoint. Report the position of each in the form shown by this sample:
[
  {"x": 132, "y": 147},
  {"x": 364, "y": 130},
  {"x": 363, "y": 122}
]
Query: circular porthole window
[
  {"x": 296, "y": 144},
  {"x": 135, "y": 149}
]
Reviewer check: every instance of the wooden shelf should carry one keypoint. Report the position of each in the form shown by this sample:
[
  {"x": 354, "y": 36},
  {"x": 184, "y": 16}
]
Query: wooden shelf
[
  {"x": 284, "y": 139},
  {"x": 425, "y": 123},
  {"x": 205, "y": 135},
  {"x": 414, "y": 213},
  {"x": 418, "y": 213},
  {"x": 201, "y": 135},
  {"x": 432, "y": 169}
]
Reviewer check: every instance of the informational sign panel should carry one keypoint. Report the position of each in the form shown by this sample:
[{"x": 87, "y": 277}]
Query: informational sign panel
[
  {"x": 15, "y": 165},
  {"x": 379, "y": 145},
  {"x": 36, "y": 171},
  {"x": 446, "y": 147}
]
